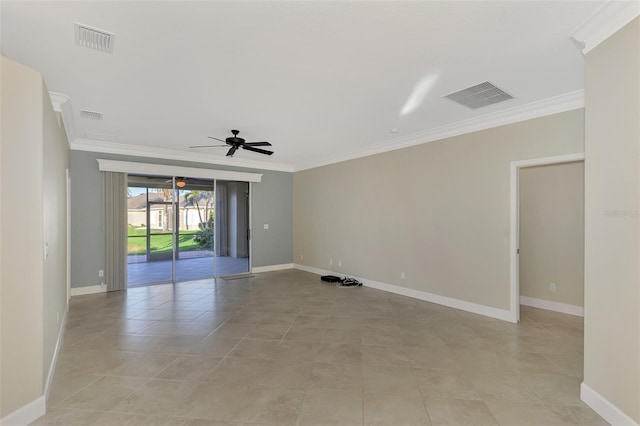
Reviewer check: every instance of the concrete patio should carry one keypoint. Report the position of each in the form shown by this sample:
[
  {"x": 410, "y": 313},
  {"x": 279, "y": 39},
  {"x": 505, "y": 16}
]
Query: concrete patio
[{"x": 187, "y": 268}]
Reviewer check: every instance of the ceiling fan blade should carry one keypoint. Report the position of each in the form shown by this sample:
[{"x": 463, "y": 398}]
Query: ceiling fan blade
[
  {"x": 207, "y": 146},
  {"x": 261, "y": 151},
  {"x": 232, "y": 151},
  {"x": 257, "y": 144},
  {"x": 211, "y": 137}
]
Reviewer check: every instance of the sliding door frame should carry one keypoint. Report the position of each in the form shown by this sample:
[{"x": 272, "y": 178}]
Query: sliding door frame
[{"x": 246, "y": 200}]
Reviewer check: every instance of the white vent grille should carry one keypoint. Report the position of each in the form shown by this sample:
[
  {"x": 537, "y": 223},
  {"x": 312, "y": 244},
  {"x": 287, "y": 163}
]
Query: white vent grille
[
  {"x": 479, "y": 96},
  {"x": 90, "y": 115},
  {"x": 94, "y": 38}
]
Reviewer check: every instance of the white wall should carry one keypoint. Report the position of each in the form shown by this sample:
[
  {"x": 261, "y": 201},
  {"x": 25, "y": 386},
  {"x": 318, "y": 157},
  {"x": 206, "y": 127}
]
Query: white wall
[
  {"x": 552, "y": 232},
  {"x": 612, "y": 222}
]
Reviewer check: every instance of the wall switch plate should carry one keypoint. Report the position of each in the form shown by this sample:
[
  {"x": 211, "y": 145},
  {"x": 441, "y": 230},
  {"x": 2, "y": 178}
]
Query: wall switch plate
[
  {"x": 101, "y": 273},
  {"x": 402, "y": 275},
  {"x": 301, "y": 256},
  {"x": 330, "y": 261},
  {"x": 552, "y": 286},
  {"x": 266, "y": 226},
  {"x": 339, "y": 263}
]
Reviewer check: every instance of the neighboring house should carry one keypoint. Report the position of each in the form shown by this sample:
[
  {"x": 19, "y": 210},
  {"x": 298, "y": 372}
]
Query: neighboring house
[{"x": 189, "y": 216}]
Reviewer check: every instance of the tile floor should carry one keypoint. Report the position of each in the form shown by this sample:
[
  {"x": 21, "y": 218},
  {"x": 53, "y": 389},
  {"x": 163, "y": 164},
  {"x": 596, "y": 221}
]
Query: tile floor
[{"x": 282, "y": 348}]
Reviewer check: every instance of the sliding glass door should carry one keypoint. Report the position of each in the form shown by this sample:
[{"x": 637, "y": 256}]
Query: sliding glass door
[
  {"x": 195, "y": 252},
  {"x": 150, "y": 230},
  {"x": 232, "y": 227},
  {"x": 185, "y": 229}
]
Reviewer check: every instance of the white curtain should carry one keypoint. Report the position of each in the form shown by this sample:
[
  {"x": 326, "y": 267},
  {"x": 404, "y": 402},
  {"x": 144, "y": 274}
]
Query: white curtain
[
  {"x": 222, "y": 228},
  {"x": 116, "y": 229}
]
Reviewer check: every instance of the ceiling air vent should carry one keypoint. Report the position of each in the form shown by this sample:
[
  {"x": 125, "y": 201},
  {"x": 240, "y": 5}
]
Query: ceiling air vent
[
  {"x": 90, "y": 115},
  {"x": 94, "y": 38},
  {"x": 479, "y": 96}
]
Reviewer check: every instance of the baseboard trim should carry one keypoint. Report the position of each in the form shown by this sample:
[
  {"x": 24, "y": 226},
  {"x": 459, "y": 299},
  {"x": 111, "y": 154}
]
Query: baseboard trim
[
  {"x": 564, "y": 308},
  {"x": 316, "y": 271},
  {"x": 26, "y": 414},
  {"x": 54, "y": 361},
  {"x": 92, "y": 289},
  {"x": 270, "y": 268},
  {"x": 604, "y": 408},
  {"x": 475, "y": 308}
]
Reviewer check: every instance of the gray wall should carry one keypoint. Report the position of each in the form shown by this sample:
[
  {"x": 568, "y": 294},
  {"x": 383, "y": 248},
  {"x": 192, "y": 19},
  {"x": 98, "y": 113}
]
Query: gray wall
[
  {"x": 271, "y": 203},
  {"x": 612, "y": 221},
  {"x": 54, "y": 195},
  {"x": 552, "y": 232}
]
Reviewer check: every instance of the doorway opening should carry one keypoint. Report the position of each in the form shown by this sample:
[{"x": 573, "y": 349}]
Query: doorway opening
[
  {"x": 182, "y": 229},
  {"x": 515, "y": 239}
]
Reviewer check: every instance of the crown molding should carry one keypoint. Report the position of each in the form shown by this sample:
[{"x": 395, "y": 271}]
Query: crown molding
[
  {"x": 607, "y": 20},
  {"x": 62, "y": 103},
  {"x": 558, "y": 104},
  {"x": 57, "y": 99},
  {"x": 91, "y": 145}
]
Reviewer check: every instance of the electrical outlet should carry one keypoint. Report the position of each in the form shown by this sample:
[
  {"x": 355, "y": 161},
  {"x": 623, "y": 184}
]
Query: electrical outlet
[
  {"x": 301, "y": 256},
  {"x": 265, "y": 226},
  {"x": 100, "y": 273},
  {"x": 402, "y": 275},
  {"x": 552, "y": 286},
  {"x": 330, "y": 262},
  {"x": 339, "y": 263}
]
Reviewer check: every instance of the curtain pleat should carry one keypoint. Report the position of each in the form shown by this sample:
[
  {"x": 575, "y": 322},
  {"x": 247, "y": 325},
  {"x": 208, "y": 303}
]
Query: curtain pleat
[
  {"x": 116, "y": 230},
  {"x": 222, "y": 228}
]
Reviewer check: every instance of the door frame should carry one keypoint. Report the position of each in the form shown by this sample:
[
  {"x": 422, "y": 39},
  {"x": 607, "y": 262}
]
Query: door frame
[
  {"x": 175, "y": 221},
  {"x": 514, "y": 219},
  {"x": 250, "y": 242},
  {"x": 68, "y": 236}
]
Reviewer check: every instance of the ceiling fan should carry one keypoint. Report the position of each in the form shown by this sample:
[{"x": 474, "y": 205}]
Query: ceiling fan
[{"x": 235, "y": 142}]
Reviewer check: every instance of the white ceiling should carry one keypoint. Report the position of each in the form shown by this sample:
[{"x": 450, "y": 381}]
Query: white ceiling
[{"x": 321, "y": 81}]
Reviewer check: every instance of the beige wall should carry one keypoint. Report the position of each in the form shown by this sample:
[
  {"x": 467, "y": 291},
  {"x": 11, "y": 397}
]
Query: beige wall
[
  {"x": 22, "y": 238},
  {"x": 33, "y": 294},
  {"x": 552, "y": 232},
  {"x": 612, "y": 220},
  {"x": 438, "y": 211}
]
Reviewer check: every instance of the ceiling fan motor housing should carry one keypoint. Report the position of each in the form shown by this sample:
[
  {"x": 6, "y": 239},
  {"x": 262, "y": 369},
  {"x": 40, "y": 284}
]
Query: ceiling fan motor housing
[{"x": 235, "y": 142}]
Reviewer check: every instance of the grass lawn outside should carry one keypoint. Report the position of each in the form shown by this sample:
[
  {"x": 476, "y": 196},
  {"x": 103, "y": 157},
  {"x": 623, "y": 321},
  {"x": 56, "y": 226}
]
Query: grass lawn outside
[{"x": 137, "y": 242}]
